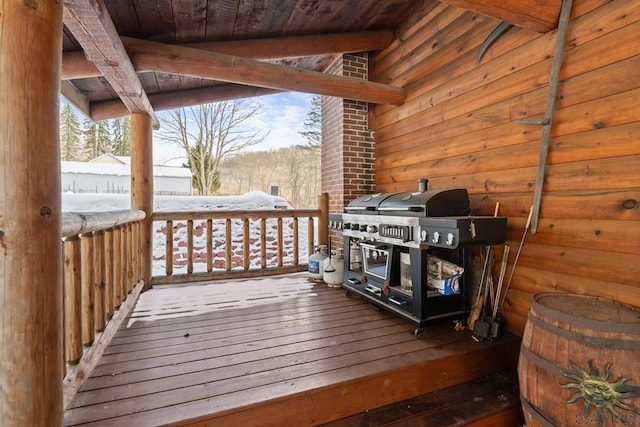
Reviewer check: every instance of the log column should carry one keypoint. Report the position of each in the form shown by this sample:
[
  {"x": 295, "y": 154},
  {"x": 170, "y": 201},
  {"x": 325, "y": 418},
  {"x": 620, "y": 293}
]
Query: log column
[
  {"x": 31, "y": 364},
  {"x": 142, "y": 187}
]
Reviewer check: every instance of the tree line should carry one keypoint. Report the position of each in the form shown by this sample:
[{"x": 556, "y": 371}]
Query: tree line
[{"x": 81, "y": 143}]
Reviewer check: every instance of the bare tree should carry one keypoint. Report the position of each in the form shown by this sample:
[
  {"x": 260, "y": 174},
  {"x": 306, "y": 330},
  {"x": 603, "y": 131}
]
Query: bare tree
[{"x": 210, "y": 133}]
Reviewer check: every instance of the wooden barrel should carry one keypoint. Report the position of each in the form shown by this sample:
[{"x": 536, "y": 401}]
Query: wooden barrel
[{"x": 580, "y": 362}]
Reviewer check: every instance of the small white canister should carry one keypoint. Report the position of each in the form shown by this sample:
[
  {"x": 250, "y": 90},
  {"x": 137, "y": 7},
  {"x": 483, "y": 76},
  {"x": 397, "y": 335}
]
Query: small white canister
[
  {"x": 315, "y": 263},
  {"x": 333, "y": 269}
]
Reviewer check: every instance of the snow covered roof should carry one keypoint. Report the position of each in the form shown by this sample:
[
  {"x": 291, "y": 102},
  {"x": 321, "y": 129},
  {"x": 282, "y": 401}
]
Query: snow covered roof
[
  {"x": 97, "y": 168},
  {"x": 110, "y": 158}
]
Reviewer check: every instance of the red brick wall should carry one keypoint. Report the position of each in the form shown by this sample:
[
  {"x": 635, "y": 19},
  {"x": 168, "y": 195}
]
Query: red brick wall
[{"x": 347, "y": 143}]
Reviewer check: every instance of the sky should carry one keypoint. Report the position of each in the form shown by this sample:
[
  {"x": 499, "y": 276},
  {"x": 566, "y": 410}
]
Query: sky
[{"x": 283, "y": 114}]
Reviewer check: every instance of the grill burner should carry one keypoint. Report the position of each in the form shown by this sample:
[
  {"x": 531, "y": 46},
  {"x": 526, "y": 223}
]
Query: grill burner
[{"x": 413, "y": 226}]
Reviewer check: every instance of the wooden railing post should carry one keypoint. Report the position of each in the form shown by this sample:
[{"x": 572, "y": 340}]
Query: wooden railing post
[
  {"x": 99, "y": 304},
  {"x": 108, "y": 274},
  {"x": 72, "y": 299},
  {"x": 87, "y": 273},
  {"x": 117, "y": 267}
]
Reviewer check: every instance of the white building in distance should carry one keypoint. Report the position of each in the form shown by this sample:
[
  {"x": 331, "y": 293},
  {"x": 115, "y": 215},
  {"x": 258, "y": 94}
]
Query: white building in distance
[{"x": 112, "y": 174}]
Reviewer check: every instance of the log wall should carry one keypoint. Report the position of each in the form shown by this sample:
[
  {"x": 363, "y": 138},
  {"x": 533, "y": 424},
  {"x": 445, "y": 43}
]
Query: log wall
[{"x": 458, "y": 129}]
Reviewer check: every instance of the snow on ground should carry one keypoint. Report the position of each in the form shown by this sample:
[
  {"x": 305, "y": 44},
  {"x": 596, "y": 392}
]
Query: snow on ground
[
  {"x": 256, "y": 200},
  {"x": 167, "y": 302}
]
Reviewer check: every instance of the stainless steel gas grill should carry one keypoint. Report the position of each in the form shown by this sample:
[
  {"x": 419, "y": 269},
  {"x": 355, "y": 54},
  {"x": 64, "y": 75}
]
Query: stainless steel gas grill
[{"x": 410, "y": 252}]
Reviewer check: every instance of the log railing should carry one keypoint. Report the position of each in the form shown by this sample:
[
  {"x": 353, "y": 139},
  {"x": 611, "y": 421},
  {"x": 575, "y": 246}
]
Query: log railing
[
  {"x": 102, "y": 273},
  {"x": 222, "y": 244}
]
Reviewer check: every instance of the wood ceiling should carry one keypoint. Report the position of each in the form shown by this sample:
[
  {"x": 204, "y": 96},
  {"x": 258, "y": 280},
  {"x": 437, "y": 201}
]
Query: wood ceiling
[{"x": 142, "y": 56}]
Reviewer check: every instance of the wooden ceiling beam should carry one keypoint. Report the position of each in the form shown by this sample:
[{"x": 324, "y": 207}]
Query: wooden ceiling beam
[
  {"x": 182, "y": 98},
  {"x": 75, "y": 97},
  {"x": 76, "y": 66},
  {"x": 232, "y": 69},
  {"x": 540, "y": 17},
  {"x": 91, "y": 25}
]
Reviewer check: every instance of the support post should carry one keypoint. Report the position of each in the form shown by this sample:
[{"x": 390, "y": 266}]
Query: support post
[
  {"x": 323, "y": 221},
  {"x": 31, "y": 352},
  {"x": 142, "y": 188}
]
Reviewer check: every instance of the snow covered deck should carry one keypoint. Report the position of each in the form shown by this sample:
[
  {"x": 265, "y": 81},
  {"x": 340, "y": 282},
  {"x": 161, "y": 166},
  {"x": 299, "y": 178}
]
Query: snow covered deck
[{"x": 277, "y": 350}]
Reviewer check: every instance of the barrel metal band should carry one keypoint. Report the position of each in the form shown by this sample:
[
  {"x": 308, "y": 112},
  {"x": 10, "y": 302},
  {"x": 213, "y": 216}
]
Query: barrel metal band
[
  {"x": 596, "y": 325},
  {"x": 537, "y": 415},
  {"x": 593, "y": 341},
  {"x": 542, "y": 362}
]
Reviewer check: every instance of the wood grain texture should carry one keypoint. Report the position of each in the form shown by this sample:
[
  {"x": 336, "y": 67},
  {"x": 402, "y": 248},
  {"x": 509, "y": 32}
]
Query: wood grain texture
[
  {"x": 542, "y": 18},
  {"x": 92, "y": 26},
  {"x": 458, "y": 128},
  {"x": 229, "y": 68},
  {"x": 272, "y": 352},
  {"x": 31, "y": 286}
]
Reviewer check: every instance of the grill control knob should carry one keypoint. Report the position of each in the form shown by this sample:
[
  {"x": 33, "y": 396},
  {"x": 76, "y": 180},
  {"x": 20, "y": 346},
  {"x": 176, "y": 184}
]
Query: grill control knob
[
  {"x": 436, "y": 237},
  {"x": 449, "y": 239},
  {"x": 363, "y": 227},
  {"x": 423, "y": 235},
  {"x": 372, "y": 229},
  {"x": 346, "y": 226}
]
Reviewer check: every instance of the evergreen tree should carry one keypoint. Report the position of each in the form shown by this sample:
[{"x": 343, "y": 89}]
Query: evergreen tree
[
  {"x": 121, "y": 137},
  {"x": 70, "y": 143},
  {"x": 97, "y": 139},
  {"x": 313, "y": 123}
]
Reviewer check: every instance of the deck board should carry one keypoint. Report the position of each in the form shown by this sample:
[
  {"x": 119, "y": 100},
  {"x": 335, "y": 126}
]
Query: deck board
[{"x": 258, "y": 351}]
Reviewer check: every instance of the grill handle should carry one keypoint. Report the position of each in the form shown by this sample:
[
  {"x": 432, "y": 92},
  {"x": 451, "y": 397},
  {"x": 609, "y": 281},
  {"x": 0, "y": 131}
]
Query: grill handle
[
  {"x": 361, "y": 208},
  {"x": 401, "y": 208}
]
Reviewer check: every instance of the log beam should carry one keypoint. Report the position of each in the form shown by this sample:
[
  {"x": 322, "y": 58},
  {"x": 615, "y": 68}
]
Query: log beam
[
  {"x": 91, "y": 25},
  {"x": 76, "y": 66},
  {"x": 232, "y": 69},
  {"x": 541, "y": 17},
  {"x": 142, "y": 188},
  {"x": 74, "y": 96},
  {"x": 31, "y": 334},
  {"x": 183, "y": 98}
]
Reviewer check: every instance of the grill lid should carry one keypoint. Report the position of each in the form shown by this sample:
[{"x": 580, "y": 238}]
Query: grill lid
[{"x": 430, "y": 203}]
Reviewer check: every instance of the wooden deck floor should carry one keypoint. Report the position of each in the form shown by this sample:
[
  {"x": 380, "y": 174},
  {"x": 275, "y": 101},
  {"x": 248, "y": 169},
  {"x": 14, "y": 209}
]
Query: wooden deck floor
[{"x": 272, "y": 351}]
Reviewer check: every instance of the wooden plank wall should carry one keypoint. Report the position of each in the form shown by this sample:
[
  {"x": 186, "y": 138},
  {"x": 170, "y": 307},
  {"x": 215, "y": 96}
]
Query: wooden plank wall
[{"x": 457, "y": 128}]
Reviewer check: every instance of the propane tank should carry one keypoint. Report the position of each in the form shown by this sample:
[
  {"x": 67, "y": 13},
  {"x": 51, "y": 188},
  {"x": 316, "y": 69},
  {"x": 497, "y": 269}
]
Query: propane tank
[
  {"x": 355, "y": 256},
  {"x": 333, "y": 269},
  {"x": 315, "y": 262}
]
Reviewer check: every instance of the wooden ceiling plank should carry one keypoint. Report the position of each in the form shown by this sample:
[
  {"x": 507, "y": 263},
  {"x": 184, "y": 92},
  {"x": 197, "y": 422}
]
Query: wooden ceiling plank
[
  {"x": 541, "y": 17},
  {"x": 190, "y": 19},
  {"x": 232, "y": 69},
  {"x": 182, "y": 98},
  {"x": 91, "y": 25},
  {"x": 76, "y": 66}
]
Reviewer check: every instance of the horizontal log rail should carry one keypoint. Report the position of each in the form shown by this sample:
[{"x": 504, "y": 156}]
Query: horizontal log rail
[
  {"x": 223, "y": 244},
  {"x": 102, "y": 280}
]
